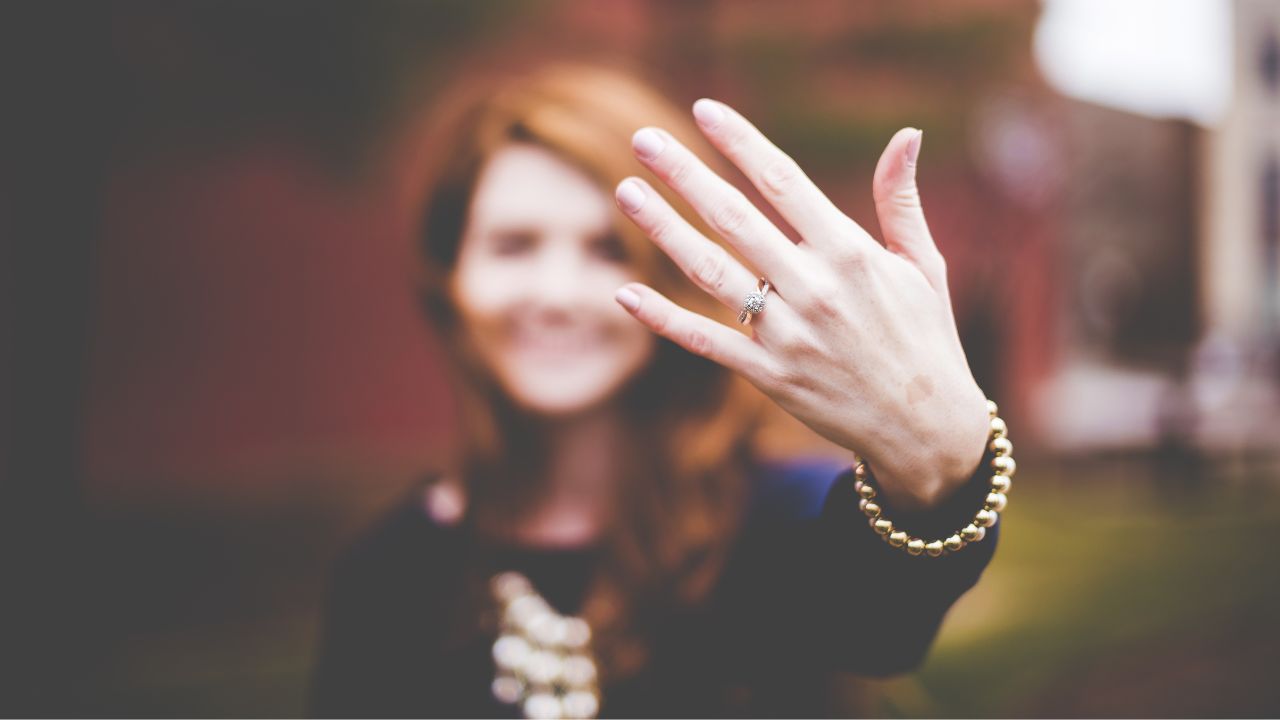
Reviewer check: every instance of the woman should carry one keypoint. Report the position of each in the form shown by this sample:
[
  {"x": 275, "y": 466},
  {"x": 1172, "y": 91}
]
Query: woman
[{"x": 604, "y": 541}]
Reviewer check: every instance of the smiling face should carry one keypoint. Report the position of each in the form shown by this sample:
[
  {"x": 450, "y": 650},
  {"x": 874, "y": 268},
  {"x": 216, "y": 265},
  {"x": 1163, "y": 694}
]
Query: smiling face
[{"x": 533, "y": 286}]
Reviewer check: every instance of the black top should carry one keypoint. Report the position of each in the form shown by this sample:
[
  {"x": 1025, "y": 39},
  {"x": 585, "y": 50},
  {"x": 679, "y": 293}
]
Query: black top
[{"x": 809, "y": 588}]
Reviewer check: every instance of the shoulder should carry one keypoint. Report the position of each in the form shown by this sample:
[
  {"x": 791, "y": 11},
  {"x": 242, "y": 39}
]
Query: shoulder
[
  {"x": 793, "y": 489},
  {"x": 388, "y": 611},
  {"x": 421, "y": 535}
]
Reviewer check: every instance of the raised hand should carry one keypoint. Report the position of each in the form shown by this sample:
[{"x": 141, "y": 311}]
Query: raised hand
[{"x": 857, "y": 339}]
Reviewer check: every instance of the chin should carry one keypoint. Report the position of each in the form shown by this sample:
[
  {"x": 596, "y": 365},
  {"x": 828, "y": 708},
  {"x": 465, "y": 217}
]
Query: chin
[
  {"x": 561, "y": 397},
  {"x": 560, "y": 406}
]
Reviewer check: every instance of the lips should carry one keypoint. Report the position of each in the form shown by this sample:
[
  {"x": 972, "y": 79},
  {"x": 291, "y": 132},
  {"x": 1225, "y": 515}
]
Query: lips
[{"x": 557, "y": 343}]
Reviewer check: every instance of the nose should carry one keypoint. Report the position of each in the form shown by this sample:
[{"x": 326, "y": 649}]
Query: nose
[{"x": 562, "y": 279}]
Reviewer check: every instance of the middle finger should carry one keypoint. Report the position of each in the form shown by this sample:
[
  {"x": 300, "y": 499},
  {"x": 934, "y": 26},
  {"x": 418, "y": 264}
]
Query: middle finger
[
  {"x": 725, "y": 209},
  {"x": 705, "y": 262}
]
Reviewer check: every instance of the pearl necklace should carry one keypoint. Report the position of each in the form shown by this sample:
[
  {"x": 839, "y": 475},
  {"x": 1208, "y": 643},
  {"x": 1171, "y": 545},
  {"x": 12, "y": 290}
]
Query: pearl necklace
[{"x": 543, "y": 659}]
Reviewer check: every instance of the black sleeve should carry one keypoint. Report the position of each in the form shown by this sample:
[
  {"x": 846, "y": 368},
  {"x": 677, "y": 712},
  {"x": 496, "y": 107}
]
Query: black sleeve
[
  {"x": 899, "y": 600},
  {"x": 828, "y": 593},
  {"x": 342, "y": 647},
  {"x": 357, "y": 673},
  {"x": 380, "y": 637}
]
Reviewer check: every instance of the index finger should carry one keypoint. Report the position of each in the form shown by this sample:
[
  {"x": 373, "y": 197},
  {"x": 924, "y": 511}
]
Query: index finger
[{"x": 777, "y": 176}]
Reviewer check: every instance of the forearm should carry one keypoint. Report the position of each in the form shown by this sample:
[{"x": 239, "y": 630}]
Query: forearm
[{"x": 881, "y": 606}]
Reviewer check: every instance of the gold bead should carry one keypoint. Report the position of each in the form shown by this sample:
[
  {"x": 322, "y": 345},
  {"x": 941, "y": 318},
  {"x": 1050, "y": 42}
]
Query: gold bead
[
  {"x": 897, "y": 538},
  {"x": 869, "y": 508},
  {"x": 992, "y": 409},
  {"x": 1001, "y": 483},
  {"x": 882, "y": 527},
  {"x": 996, "y": 501},
  {"x": 865, "y": 491},
  {"x": 934, "y": 549},
  {"x": 998, "y": 427},
  {"x": 860, "y": 471},
  {"x": 953, "y": 543},
  {"x": 1004, "y": 465},
  {"x": 985, "y": 518},
  {"x": 970, "y": 533},
  {"x": 1001, "y": 446},
  {"x": 915, "y": 546}
]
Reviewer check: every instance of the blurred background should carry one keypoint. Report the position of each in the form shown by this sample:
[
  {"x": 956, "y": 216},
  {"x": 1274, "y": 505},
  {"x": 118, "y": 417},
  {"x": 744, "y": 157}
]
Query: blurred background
[{"x": 215, "y": 371}]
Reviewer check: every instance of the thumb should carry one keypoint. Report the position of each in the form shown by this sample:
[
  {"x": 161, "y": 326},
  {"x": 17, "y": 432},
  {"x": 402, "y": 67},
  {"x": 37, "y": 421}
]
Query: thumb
[{"x": 899, "y": 210}]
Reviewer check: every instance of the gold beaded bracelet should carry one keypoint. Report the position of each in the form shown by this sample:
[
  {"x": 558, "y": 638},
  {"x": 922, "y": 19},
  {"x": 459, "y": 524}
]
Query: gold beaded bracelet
[{"x": 1002, "y": 466}]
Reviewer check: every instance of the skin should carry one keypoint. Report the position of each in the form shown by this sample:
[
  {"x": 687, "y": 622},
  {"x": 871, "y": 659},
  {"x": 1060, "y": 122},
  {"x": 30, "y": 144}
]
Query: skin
[
  {"x": 857, "y": 340},
  {"x": 533, "y": 287},
  {"x": 538, "y": 264}
]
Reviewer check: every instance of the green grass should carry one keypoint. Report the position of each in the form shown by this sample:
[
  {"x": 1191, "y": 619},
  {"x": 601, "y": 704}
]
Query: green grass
[{"x": 1101, "y": 596}]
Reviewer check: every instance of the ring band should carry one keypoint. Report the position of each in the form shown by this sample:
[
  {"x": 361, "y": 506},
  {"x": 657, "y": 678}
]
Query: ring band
[{"x": 753, "y": 304}]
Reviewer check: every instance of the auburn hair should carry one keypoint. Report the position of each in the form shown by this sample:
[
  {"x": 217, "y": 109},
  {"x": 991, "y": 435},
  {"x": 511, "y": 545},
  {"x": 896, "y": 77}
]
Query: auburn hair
[{"x": 689, "y": 420}]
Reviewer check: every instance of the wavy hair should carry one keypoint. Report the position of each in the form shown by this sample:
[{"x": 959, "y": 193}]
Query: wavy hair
[{"x": 689, "y": 420}]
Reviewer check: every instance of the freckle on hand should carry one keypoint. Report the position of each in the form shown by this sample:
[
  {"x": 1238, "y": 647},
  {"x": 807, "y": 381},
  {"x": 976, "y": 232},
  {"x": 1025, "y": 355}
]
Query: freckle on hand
[{"x": 920, "y": 388}]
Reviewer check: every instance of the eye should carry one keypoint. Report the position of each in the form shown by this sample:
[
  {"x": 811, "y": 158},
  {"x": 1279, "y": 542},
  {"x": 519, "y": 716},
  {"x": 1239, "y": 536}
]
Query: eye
[
  {"x": 609, "y": 247},
  {"x": 512, "y": 242}
]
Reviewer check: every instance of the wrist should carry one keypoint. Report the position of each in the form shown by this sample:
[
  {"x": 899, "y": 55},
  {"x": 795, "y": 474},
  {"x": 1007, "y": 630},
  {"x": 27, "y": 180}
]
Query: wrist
[
  {"x": 985, "y": 489},
  {"x": 929, "y": 465}
]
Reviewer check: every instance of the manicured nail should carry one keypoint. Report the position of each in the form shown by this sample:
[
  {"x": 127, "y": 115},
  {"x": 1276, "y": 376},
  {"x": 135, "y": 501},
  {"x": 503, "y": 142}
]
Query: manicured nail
[
  {"x": 913, "y": 147},
  {"x": 709, "y": 113},
  {"x": 648, "y": 143},
  {"x": 630, "y": 195},
  {"x": 627, "y": 298}
]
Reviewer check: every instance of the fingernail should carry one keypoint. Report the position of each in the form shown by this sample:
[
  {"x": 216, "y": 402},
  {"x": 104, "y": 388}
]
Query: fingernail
[
  {"x": 913, "y": 147},
  {"x": 648, "y": 143},
  {"x": 627, "y": 298},
  {"x": 709, "y": 113},
  {"x": 630, "y": 195}
]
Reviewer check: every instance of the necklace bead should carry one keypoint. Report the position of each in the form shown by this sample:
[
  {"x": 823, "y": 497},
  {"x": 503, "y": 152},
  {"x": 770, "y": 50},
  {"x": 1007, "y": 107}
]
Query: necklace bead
[{"x": 543, "y": 659}]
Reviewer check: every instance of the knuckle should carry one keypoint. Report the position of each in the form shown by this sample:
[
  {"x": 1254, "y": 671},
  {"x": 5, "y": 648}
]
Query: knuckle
[
  {"x": 780, "y": 375},
  {"x": 854, "y": 259},
  {"x": 697, "y": 342},
  {"x": 795, "y": 345},
  {"x": 661, "y": 231},
  {"x": 906, "y": 197},
  {"x": 780, "y": 175},
  {"x": 842, "y": 255},
  {"x": 729, "y": 217},
  {"x": 658, "y": 321},
  {"x": 678, "y": 173},
  {"x": 733, "y": 140},
  {"x": 709, "y": 270},
  {"x": 823, "y": 305},
  {"x": 822, "y": 300}
]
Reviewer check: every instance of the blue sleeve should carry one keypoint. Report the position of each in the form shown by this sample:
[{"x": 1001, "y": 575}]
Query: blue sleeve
[{"x": 822, "y": 589}]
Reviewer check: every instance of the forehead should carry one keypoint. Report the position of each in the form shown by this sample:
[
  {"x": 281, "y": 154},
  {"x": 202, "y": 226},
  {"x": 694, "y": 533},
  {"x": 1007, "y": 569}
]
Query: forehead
[{"x": 532, "y": 187}]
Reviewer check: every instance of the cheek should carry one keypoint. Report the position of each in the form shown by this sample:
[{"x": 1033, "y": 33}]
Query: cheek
[
  {"x": 512, "y": 324},
  {"x": 483, "y": 305},
  {"x": 484, "y": 293},
  {"x": 628, "y": 337}
]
